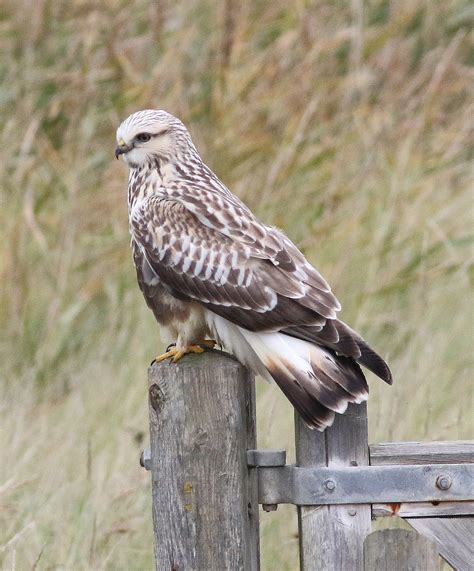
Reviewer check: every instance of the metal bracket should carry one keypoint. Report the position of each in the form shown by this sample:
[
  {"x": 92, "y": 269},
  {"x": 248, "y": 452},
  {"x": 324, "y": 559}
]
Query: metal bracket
[
  {"x": 266, "y": 458},
  {"x": 281, "y": 484}
]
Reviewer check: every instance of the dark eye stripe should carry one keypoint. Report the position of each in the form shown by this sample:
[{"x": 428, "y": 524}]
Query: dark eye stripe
[{"x": 145, "y": 137}]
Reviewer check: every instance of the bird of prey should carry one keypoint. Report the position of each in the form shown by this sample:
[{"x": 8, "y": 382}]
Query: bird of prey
[{"x": 210, "y": 270}]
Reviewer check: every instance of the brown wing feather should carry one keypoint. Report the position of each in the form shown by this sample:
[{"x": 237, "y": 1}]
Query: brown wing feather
[
  {"x": 194, "y": 261},
  {"x": 343, "y": 340},
  {"x": 144, "y": 277},
  {"x": 228, "y": 216}
]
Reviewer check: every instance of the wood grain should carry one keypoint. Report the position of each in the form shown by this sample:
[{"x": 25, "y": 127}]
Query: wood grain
[
  {"x": 399, "y": 549},
  {"x": 453, "y": 535},
  {"x": 202, "y": 421},
  {"x": 454, "y": 452},
  {"x": 332, "y": 537}
]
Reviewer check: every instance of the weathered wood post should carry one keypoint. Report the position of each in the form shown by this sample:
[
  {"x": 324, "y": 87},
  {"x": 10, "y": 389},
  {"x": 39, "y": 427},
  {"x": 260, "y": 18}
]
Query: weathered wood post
[
  {"x": 202, "y": 422},
  {"x": 396, "y": 549},
  {"x": 332, "y": 537}
]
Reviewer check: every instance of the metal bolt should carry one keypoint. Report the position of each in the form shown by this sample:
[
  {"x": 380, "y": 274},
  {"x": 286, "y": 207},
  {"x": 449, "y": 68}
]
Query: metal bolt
[
  {"x": 352, "y": 512},
  {"x": 444, "y": 482},
  {"x": 330, "y": 485},
  {"x": 145, "y": 459},
  {"x": 269, "y": 507}
]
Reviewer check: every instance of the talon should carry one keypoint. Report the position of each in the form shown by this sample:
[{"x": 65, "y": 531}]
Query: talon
[
  {"x": 169, "y": 346},
  {"x": 175, "y": 354},
  {"x": 166, "y": 355}
]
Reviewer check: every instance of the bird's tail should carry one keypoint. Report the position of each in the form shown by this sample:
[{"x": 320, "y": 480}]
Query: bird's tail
[{"x": 315, "y": 380}]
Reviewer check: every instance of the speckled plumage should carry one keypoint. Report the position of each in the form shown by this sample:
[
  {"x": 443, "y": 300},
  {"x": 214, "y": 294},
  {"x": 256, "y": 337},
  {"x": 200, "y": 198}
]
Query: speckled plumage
[{"x": 208, "y": 268}]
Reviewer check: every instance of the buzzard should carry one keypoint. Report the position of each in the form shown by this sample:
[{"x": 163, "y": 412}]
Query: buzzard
[{"x": 210, "y": 270}]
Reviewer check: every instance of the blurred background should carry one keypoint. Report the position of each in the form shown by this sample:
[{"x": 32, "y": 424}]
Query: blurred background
[{"x": 346, "y": 123}]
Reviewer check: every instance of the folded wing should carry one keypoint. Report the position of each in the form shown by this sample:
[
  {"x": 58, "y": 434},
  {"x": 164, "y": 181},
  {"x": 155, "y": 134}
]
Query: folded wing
[{"x": 258, "y": 282}]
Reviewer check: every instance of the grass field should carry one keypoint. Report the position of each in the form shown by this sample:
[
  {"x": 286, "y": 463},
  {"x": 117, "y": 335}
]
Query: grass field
[{"x": 347, "y": 124}]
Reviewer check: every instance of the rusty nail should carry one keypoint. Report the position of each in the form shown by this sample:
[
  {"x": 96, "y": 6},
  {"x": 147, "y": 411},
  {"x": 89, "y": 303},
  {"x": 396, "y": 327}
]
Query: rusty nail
[
  {"x": 269, "y": 507},
  {"x": 330, "y": 485},
  {"x": 443, "y": 482}
]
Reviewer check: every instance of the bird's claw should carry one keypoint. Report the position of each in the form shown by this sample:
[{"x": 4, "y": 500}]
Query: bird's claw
[{"x": 175, "y": 354}]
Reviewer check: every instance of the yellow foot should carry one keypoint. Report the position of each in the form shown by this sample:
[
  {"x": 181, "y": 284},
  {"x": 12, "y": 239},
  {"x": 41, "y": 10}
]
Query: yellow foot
[{"x": 176, "y": 354}]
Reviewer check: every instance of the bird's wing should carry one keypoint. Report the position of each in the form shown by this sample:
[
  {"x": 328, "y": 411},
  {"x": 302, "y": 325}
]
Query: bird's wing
[
  {"x": 223, "y": 212},
  {"x": 231, "y": 274},
  {"x": 147, "y": 280}
]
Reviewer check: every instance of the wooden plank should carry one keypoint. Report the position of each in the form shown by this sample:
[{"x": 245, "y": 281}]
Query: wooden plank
[
  {"x": 423, "y": 509},
  {"x": 332, "y": 537},
  {"x": 453, "y": 535},
  {"x": 250, "y": 442},
  {"x": 202, "y": 421},
  {"x": 453, "y": 452},
  {"x": 396, "y": 549},
  {"x": 316, "y": 542}
]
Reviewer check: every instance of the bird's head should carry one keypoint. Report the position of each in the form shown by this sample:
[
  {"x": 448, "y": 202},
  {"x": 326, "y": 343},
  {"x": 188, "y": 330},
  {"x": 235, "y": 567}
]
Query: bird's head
[{"x": 151, "y": 136}]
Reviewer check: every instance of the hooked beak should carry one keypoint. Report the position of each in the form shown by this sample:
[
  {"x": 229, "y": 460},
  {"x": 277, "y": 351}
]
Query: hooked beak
[{"x": 122, "y": 148}]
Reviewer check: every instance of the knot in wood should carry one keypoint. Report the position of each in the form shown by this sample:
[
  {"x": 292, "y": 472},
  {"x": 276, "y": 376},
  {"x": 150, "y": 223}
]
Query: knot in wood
[
  {"x": 201, "y": 438},
  {"x": 157, "y": 397}
]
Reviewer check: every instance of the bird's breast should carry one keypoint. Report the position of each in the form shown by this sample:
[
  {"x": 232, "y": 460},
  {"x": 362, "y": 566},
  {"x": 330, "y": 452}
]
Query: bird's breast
[{"x": 142, "y": 184}]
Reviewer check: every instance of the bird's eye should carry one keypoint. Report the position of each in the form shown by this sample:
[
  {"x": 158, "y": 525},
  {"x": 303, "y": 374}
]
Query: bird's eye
[{"x": 143, "y": 137}]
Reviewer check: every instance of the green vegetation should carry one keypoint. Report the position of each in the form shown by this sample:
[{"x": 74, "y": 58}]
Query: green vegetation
[{"x": 345, "y": 123}]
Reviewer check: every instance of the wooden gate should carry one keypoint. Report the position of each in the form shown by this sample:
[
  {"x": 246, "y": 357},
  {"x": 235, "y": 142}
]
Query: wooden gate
[{"x": 208, "y": 478}]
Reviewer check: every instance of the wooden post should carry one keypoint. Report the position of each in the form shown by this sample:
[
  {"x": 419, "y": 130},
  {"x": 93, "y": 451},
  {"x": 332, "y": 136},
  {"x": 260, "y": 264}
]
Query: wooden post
[
  {"x": 202, "y": 421},
  {"x": 396, "y": 549},
  {"x": 332, "y": 537}
]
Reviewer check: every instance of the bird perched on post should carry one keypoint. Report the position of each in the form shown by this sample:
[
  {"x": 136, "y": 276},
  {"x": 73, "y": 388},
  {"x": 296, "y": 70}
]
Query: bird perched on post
[{"x": 209, "y": 269}]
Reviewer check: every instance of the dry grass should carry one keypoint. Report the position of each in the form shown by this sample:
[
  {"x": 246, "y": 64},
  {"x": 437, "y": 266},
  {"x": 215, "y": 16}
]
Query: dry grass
[{"x": 346, "y": 124}]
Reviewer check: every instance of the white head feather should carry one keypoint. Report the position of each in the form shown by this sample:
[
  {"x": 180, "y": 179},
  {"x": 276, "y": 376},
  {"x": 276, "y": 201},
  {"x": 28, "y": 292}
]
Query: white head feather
[{"x": 152, "y": 135}]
